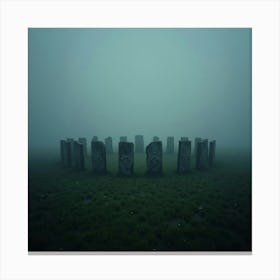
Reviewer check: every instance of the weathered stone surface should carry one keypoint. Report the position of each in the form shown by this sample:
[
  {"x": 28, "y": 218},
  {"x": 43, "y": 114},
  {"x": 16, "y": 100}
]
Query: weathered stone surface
[
  {"x": 83, "y": 140},
  {"x": 63, "y": 153},
  {"x": 184, "y": 138},
  {"x": 212, "y": 152},
  {"x": 202, "y": 155},
  {"x": 126, "y": 158},
  {"x": 79, "y": 158},
  {"x": 154, "y": 158},
  {"x": 139, "y": 144},
  {"x": 98, "y": 156},
  {"x": 94, "y": 138},
  {"x": 123, "y": 139},
  {"x": 196, "y": 140},
  {"x": 155, "y": 138},
  {"x": 109, "y": 145},
  {"x": 184, "y": 157},
  {"x": 170, "y": 145}
]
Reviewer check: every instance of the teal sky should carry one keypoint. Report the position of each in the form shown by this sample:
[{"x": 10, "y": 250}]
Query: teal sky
[{"x": 164, "y": 82}]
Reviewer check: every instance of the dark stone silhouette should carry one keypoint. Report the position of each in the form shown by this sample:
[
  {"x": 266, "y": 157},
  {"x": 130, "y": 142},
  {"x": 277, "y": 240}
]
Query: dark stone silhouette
[
  {"x": 109, "y": 145},
  {"x": 170, "y": 145},
  {"x": 212, "y": 152},
  {"x": 139, "y": 144},
  {"x": 154, "y": 158},
  {"x": 202, "y": 155},
  {"x": 70, "y": 152},
  {"x": 68, "y": 158},
  {"x": 184, "y": 138},
  {"x": 79, "y": 156},
  {"x": 184, "y": 157},
  {"x": 126, "y": 158},
  {"x": 98, "y": 157}
]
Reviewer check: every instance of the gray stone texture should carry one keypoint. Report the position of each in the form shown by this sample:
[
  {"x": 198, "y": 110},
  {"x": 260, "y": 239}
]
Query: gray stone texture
[
  {"x": 126, "y": 158},
  {"x": 154, "y": 158},
  {"x": 98, "y": 157},
  {"x": 139, "y": 144},
  {"x": 184, "y": 157}
]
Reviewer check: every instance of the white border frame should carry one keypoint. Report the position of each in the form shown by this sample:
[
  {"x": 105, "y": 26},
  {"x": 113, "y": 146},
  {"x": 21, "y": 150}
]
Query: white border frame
[{"x": 17, "y": 16}]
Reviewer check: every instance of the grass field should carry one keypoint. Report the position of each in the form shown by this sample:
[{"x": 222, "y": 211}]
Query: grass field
[{"x": 80, "y": 211}]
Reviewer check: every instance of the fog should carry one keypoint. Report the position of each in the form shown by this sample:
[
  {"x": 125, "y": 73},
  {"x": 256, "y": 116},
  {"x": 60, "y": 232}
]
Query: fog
[{"x": 153, "y": 82}]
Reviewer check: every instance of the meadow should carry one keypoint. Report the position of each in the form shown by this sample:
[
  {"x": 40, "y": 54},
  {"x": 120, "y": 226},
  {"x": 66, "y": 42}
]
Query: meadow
[{"x": 79, "y": 211}]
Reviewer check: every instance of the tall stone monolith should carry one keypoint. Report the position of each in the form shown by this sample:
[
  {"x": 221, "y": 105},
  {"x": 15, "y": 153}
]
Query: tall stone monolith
[
  {"x": 154, "y": 158},
  {"x": 184, "y": 157},
  {"x": 98, "y": 157},
  {"x": 202, "y": 155},
  {"x": 79, "y": 156},
  {"x": 126, "y": 158}
]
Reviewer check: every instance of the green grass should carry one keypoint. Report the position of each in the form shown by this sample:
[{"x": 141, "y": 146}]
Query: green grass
[{"x": 80, "y": 211}]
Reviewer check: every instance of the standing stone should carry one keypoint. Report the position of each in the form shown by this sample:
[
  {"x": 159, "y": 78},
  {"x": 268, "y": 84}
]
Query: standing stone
[
  {"x": 202, "y": 155},
  {"x": 70, "y": 152},
  {"x": 139, "y": 144},
  {"x": 109, "y": 145},
  {"x": 155, "y": 138},
  {"x": 184, "y": 157},
  {"x": 184, "y": 138},
  {"x": 196, "y": 140},
  {"x": 98, "y": 156},
  {"x": 123, "y": 139},
  {"x": 83, "y": 140},
  {"x": 68, "y": 158},
  {"x": 170, "y": 145},
  {"x": 126, "y": 158},
  {"x": 94, "y": 138},
  {"x": 63, "y": 153},
  {"x": 79, "y": 156},
  {"x": 212, "y": 152},
  {"x": 154, "y": 158}
]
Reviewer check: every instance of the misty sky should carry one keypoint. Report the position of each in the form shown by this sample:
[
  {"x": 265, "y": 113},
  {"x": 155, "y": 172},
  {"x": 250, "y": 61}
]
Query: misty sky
[{"x": 115, "y": 82}]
